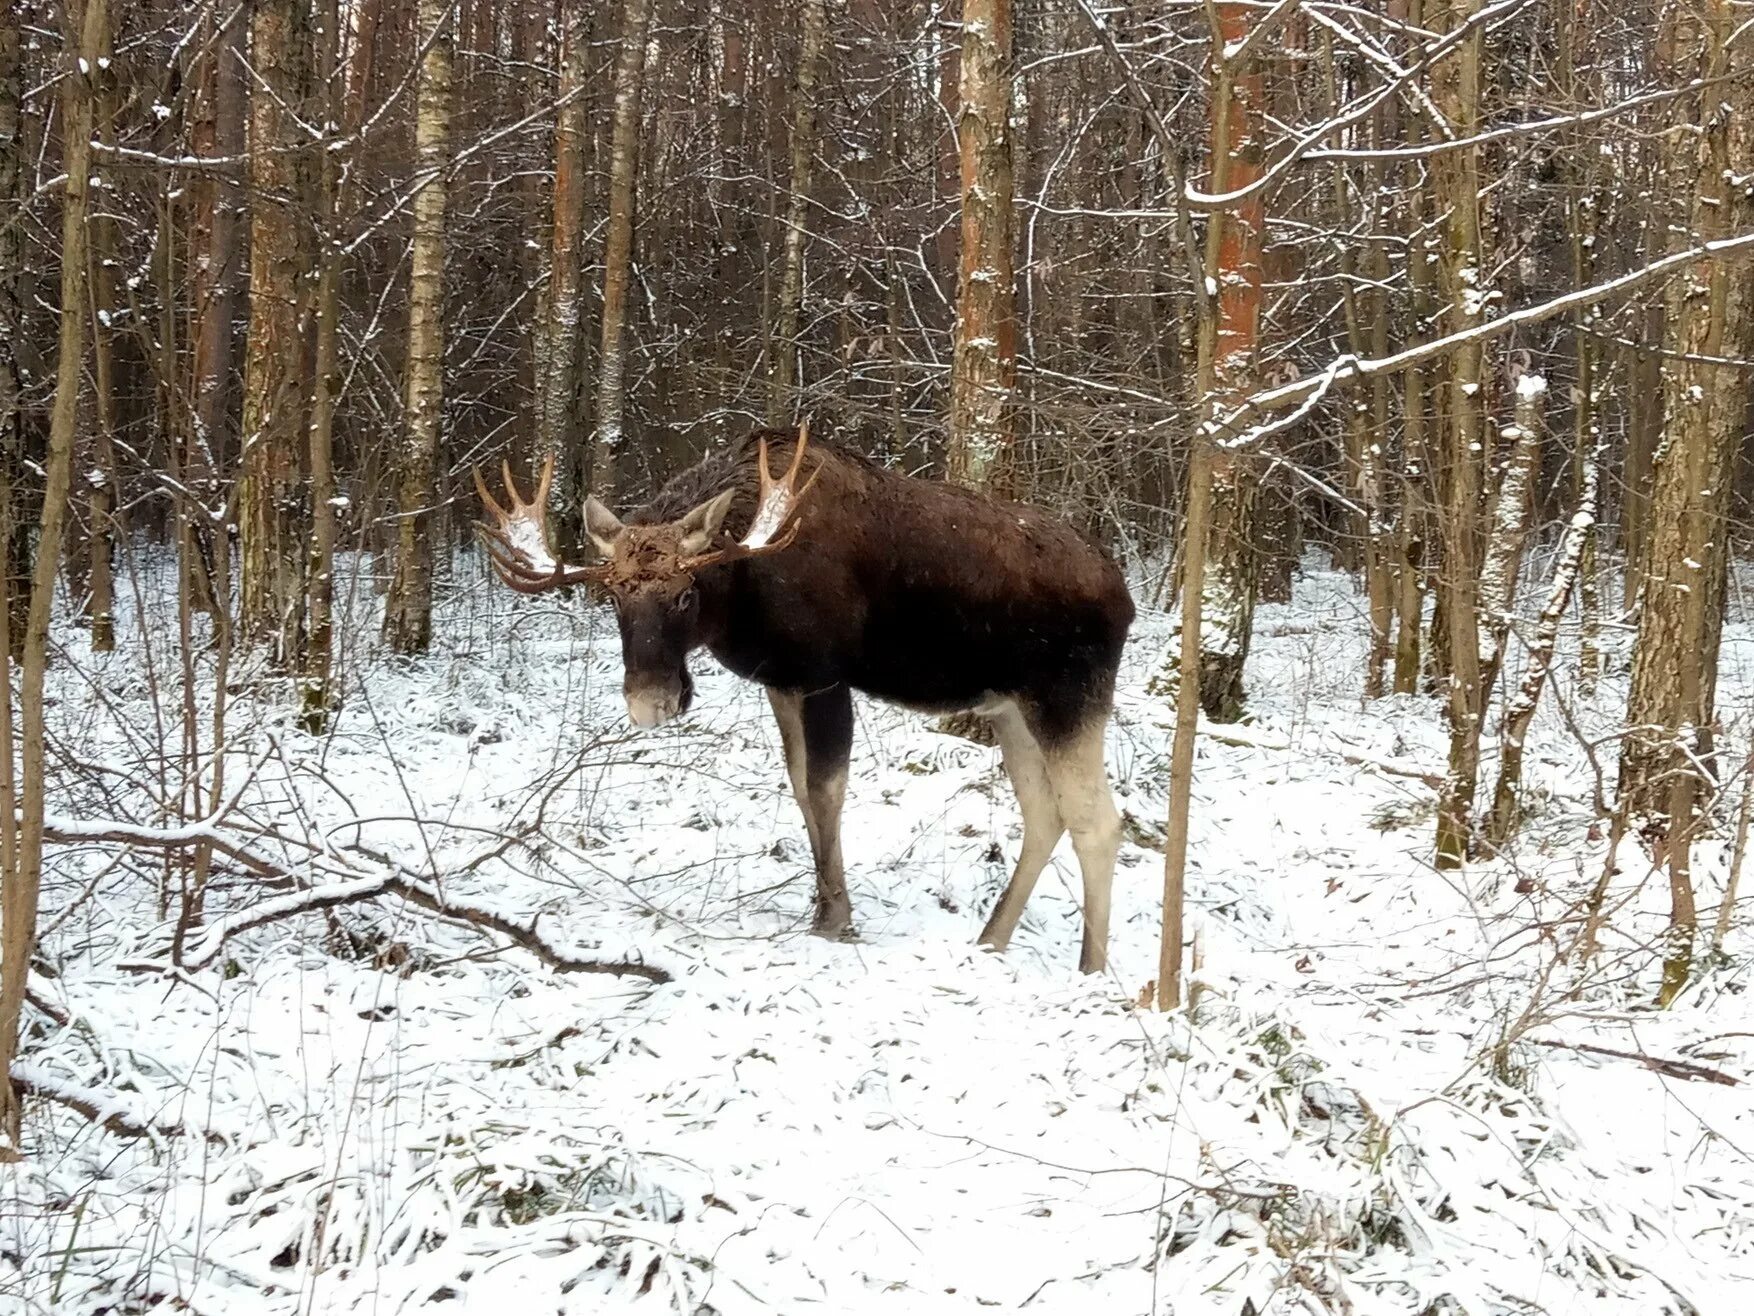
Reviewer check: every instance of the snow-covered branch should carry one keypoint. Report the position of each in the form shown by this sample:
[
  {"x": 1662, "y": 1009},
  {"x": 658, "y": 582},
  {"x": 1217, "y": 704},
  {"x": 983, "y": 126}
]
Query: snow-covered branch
[{"x": 341, "y": 886}]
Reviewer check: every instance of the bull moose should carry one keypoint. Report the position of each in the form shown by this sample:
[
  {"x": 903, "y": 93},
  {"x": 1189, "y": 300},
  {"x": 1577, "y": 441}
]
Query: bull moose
[{"x": 917, "y": 592}]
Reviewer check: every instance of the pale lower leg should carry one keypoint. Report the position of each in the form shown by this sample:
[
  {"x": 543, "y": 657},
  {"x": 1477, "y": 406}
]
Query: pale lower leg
[
  {"x": 1042, "y": 828},
  {"x": 788, "y": 711},
  {"x": 1080, "y": 781},
  {"x": 817, "y": 731},
  {"x": 834, "y": 909}
]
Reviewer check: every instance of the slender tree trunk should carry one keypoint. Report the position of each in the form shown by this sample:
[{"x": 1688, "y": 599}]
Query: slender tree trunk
[
  {"x": 319, "y": 698},
  {"x": 1380, "y": 548},
  {"x": 1350, "y": 544},
  {"x": 1462, "y": 281},
  {"x": 363, "y": 70},
  {"x": 271, "y": 510},
  {"x": 1644, "y": 425},
  {"x": 1520, "y": 714},
  {"x": 1586, "y": 436},
  {"x": 408, "y": 609},
  {"x": 1509, "y": 528},
  {"x": 1738, "y": 854},
  {"x": 1228, "y": 347},
  {"x": 1416, "y": 473},
  {"x": 216, "y": 129},
  {"x": 1410, "y": 567},
  {"x": 557, "y": 362},
  {"x": 15, "y": 518},
  {"x": 100, "y": 462},
  {"x": 1228, "y": 366},
  {"x": 945, "y": 148},
  {"x": 87, "y": 38},
  {"x": 783, "y": 362},
  {"x": 1581, "y": 206},
  {"x": 1421, "y": 490},
  {"x": 983, "y": 371},
  {"x": 1366, "y": 426},
  {"x": 200, "y": 581},
  {"x": 618, "y": 246},
  {"x": 1687, "y": 784},
  {"x": 1187, "y": 724},
  {"x": 731, "y": 243}
]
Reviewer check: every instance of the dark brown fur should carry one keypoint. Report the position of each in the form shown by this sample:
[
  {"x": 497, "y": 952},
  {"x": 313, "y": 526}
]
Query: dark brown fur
[
  {"x": 916, "y": 592},
  {"x": 911, "y": 590}
]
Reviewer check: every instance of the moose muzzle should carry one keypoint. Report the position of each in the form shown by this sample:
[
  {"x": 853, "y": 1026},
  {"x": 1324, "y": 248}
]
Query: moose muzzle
[{"x": 651, "y": 702}]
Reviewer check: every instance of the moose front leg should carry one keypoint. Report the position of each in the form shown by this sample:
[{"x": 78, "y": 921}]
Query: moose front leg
[{"x": 817, "y": 733}]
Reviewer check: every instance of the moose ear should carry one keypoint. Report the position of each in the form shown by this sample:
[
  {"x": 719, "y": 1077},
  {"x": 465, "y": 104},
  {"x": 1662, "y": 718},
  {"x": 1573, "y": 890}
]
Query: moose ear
[
  {"x": 701, "y": 525},
  {"x": 601, "y": 525}
]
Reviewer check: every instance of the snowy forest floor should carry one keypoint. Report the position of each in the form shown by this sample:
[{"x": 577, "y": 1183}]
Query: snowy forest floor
[{"x": 1395, "y": 1096}]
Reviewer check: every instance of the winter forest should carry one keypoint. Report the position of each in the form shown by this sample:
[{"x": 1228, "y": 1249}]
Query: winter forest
[{"x": 366, "y": 950}]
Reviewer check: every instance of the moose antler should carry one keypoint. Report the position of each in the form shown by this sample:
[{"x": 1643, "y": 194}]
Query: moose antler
[
  {"x": 517, "y": 542},
  {"x": 776, "y": 522}
]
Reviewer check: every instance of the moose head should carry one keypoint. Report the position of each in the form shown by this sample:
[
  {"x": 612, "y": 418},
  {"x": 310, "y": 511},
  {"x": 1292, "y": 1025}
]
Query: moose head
[{"x": 650, "y": 572}]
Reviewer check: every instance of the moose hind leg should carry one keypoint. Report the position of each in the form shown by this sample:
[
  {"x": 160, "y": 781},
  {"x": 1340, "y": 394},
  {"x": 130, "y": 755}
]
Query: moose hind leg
[
  {"x": 1080, "y": 779},
  {"x": 820, "y": 725},
  {"x": 1042, "y": 828}
]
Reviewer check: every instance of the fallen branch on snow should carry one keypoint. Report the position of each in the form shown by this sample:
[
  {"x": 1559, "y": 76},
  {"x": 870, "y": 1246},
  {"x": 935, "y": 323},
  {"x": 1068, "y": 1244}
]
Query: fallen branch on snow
[
  {"x": 349, "y": 887},
  {"x": 1661, "y": 1064},
  {"x": 105, "y": 1109},
  {"x": 205, "y": 948},
  {"x": 47, "y": 1008}
]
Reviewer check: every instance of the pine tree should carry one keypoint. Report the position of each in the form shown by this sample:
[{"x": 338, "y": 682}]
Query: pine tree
[{"x": 983, "y": 371}]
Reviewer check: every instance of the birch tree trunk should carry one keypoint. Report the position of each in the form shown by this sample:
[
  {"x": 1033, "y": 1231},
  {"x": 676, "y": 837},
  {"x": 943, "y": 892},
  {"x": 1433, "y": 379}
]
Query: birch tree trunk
[
  {"x": 1520, "y": 714},
  {"x": 984, "y": 366},
  {"x": 783, "y": 363},
  {"x": 1462, "y": 283},
  {"x": 1509, "y": 528},
  {"x": 87, "y": 38},
  {"x": 1581, "y": 207},
  {"x": 408, "y": 608},
  {"x": 271, "y": 511},
  {"x": 618, "y": 247}
]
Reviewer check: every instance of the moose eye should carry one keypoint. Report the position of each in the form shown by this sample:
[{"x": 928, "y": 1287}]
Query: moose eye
[{"x": 684, "y": 601}]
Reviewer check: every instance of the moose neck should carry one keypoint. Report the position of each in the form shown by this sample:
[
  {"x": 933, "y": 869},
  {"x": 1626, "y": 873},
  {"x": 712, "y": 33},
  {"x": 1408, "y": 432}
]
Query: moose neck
[{"x": 716, "y": 586}]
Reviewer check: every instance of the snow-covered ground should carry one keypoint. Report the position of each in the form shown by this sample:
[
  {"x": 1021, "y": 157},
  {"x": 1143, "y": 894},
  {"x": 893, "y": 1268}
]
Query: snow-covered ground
[{"x": 1386, "y": 1100}]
